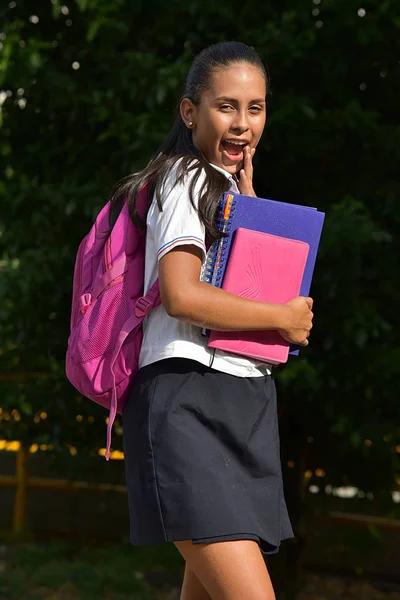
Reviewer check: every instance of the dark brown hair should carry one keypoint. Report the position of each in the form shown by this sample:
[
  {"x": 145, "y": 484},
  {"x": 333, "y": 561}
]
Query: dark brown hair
[{"x": 179, "y": 144}]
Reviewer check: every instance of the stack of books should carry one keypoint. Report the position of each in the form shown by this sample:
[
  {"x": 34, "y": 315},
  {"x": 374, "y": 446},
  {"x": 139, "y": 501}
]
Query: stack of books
[{"x": 268, "y": 254}]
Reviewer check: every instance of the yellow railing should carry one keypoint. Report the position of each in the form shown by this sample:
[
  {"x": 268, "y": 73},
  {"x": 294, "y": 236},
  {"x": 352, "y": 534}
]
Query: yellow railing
[
  {"x": 22, "y": 482},
  {"x": 14, "y": 446}
]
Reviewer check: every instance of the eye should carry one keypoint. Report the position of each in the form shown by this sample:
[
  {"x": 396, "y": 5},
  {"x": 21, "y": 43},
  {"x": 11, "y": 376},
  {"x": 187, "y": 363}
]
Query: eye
[
  {"x": 256, "y": 109},
  {"x": 226, "y": 107}
]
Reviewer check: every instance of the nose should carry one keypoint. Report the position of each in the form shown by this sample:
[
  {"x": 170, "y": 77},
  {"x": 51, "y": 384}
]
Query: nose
[{"x": 240, "y": 123}]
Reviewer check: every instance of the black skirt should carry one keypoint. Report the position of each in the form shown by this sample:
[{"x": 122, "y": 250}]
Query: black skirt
[{"x": 202, "y": 457}]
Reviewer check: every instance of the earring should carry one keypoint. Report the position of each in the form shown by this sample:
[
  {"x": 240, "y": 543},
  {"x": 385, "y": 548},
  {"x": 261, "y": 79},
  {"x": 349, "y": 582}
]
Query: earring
[{"x": 190, "y": 123}]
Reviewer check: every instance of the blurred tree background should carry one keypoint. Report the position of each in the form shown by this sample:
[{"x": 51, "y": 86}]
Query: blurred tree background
[{"x": 87, "y": 93}]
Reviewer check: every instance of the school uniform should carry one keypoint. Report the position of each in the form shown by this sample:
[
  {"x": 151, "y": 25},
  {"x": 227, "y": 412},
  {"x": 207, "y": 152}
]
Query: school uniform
[{"x": 200, "y": 429}]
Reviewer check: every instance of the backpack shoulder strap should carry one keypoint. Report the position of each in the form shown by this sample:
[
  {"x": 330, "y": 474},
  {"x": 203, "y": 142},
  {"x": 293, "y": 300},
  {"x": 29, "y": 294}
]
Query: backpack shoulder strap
[
  {"x": 154, "y": 293},
  {"x": 147, "y": 302},
  {"x": 142, "y": 201}
]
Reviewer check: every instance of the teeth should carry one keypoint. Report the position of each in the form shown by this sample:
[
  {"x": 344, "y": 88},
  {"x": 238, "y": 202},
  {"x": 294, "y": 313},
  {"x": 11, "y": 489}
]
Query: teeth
[{"x": 236, "y": 143}]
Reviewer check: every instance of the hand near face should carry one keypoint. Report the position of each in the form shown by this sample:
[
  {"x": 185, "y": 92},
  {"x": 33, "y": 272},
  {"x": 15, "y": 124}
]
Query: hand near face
[{"x": 245, "y": 179}]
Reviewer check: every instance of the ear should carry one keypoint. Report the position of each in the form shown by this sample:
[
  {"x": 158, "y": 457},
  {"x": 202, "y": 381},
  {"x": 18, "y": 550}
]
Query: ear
[{"x": 188, "y": 113}]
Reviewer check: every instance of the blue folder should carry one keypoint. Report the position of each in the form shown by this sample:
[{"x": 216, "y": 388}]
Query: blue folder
[{"x": 292, "y": 221}]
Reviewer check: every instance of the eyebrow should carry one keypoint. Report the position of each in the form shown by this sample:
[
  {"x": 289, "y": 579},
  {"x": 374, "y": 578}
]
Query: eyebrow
[{"x": 234, "y": 101}]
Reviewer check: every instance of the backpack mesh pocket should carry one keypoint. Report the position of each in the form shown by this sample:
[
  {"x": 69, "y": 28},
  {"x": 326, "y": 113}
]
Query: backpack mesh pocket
[{"x": 97, "y": 336}]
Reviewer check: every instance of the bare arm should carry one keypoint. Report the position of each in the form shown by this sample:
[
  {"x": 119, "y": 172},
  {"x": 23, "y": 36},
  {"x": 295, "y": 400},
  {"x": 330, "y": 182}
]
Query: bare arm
[{"x": 185, "y": 297}]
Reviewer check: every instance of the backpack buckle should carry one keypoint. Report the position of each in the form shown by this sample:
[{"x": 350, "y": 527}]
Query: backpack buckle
[
  {"x": 142, "y": 306},
  {"x": 85, "y": 301}
]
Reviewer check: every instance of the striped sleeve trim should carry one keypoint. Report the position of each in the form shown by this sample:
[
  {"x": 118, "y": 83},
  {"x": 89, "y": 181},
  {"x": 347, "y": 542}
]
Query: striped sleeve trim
[{"x": 180, "y": 241}]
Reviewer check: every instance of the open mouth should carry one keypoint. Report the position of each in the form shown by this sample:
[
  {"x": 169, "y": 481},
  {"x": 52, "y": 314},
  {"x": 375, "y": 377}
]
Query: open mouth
[{"x": 233, "y": 150}]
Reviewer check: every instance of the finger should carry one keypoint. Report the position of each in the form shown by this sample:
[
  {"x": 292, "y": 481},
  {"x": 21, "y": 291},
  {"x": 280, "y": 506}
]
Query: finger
[
  {"x": 248, "y": 162},
  {"x": 310, "y": 302},
  {"x": 245, "y": 158},
  {"x": 244, "y": 179},
  {"x": 244, "y": 186}
]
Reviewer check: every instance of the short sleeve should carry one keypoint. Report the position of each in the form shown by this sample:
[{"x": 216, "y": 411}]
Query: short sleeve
[{"x": 178, "y": 223}]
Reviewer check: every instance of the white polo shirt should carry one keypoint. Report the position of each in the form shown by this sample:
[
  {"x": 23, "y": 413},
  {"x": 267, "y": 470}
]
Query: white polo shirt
[{"x": 164, "y": 336}]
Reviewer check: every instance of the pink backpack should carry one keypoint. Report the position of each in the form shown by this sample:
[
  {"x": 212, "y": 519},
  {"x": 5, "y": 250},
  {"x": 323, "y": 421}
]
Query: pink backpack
[{"x": 108, "y": 309}]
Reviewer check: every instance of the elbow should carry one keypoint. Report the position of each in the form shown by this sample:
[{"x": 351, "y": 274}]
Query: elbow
[{"x": 175, "y": 304}]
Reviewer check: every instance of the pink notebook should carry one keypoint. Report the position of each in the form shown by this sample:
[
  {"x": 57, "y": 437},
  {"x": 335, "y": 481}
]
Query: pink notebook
[{"x": 266, "y": 268}]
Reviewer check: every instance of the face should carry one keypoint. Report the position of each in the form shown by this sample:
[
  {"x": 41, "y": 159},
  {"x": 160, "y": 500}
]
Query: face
[{"x": 231, "y": 115}]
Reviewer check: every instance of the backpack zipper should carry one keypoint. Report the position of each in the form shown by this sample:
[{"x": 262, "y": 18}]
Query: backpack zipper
[{"x": 79, "y": 262}]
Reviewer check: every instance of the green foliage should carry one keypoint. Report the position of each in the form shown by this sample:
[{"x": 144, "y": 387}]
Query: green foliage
[
  {"x": 88, "y": 93},
  {"x": 60, "y": 570}
]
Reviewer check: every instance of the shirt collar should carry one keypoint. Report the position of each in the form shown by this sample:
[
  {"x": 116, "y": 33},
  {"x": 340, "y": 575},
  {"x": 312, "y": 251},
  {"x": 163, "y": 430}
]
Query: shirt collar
[{"x": 228, "y": 176}]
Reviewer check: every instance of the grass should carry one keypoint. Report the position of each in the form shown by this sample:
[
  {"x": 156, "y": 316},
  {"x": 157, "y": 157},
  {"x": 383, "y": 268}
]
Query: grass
[
  {"x": 60, "y": 571},
  {"x": 63, "y": 571}
]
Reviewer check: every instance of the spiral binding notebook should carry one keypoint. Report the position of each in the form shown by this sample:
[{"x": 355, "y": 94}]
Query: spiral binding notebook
[
  {"x": 267, "y": 268},
  {"x": 283, "y": 219}
]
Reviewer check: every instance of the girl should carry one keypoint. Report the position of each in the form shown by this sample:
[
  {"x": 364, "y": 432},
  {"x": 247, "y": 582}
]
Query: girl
[{"x": 201, "y": 437}]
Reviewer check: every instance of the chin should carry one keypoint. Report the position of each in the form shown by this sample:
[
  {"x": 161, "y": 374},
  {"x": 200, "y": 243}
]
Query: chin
[
  {"x": 233, "y": 169},
  {"x": 230, "y": 168}
]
